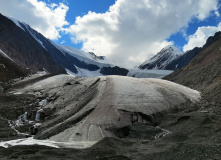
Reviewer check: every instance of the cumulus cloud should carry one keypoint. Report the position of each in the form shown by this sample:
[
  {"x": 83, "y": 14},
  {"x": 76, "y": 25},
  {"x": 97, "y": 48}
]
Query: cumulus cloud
[
  {"x": 48, "y": 19},
  {"x": 132, "y": 31},
  {"x": 198, "y": 39}
]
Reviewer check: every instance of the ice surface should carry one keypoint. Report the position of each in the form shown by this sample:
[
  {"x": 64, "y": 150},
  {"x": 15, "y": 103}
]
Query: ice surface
[
  {"x": 138, "y": 73},
  {"x": 114, "y": 103},
  {"x": 122, "y": 96}
]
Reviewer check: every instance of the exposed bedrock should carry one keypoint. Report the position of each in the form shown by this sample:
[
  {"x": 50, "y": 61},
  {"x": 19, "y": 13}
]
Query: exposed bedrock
[{"x": 89, "y": 109}]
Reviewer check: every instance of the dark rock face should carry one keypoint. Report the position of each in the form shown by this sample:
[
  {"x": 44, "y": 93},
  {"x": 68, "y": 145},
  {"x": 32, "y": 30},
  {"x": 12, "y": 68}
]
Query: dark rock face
[
  {"x": 203, "y": 73},
  {"x": 24, "y": 50},
  {"x": 10, "y": 70},
  {"x": 114, "y": 71}
]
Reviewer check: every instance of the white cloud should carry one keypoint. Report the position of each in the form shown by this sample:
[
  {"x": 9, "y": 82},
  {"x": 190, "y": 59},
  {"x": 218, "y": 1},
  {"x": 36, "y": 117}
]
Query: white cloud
[
  {"x": 198, "y": 39},
  {"x": 133, "y": 30},
  {"x": 48, "y": 19}
]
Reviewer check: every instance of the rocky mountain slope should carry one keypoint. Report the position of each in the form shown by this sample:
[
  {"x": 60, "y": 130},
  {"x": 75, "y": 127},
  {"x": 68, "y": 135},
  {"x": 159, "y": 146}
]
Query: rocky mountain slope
[
  {"x": 162, "y": 59},
  {"x": 24, "y": 50},
  {"x": 10, "y": 70},
  {"x": 203, "y": 73},
  {"x": 74, "y": 61}
]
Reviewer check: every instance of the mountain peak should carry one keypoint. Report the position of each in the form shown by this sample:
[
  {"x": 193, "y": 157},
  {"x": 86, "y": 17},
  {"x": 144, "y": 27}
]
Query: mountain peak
[
  {"x": 162, "y": 58},
  {"x": 172, "y": 49}
]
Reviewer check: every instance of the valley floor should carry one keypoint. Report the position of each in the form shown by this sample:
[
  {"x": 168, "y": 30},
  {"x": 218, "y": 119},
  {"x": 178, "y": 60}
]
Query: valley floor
[{"x": 192, "y": 131}]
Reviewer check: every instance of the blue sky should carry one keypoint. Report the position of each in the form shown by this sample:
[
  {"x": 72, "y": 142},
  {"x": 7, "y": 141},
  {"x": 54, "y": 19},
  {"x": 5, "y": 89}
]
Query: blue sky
[{"x": 126, "y": 31}]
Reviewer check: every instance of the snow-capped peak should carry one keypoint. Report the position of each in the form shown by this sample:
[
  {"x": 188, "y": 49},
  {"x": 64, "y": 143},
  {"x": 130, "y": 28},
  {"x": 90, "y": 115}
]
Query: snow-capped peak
[
  {"x": 172, "y": 49},
  {"x": 162, "y": 58}
]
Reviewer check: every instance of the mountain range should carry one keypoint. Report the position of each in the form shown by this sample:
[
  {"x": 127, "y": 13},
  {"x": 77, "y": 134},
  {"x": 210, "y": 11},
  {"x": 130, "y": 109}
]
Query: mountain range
[{"x": 30, "y": 49}]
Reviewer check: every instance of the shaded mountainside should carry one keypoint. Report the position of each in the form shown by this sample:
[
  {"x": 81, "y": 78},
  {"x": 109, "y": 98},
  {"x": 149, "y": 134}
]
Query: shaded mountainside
[
  {"x": 203, "y": 73},
  {"x": 24, "y": 50},
  {"x": 10, "y": 70}
]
